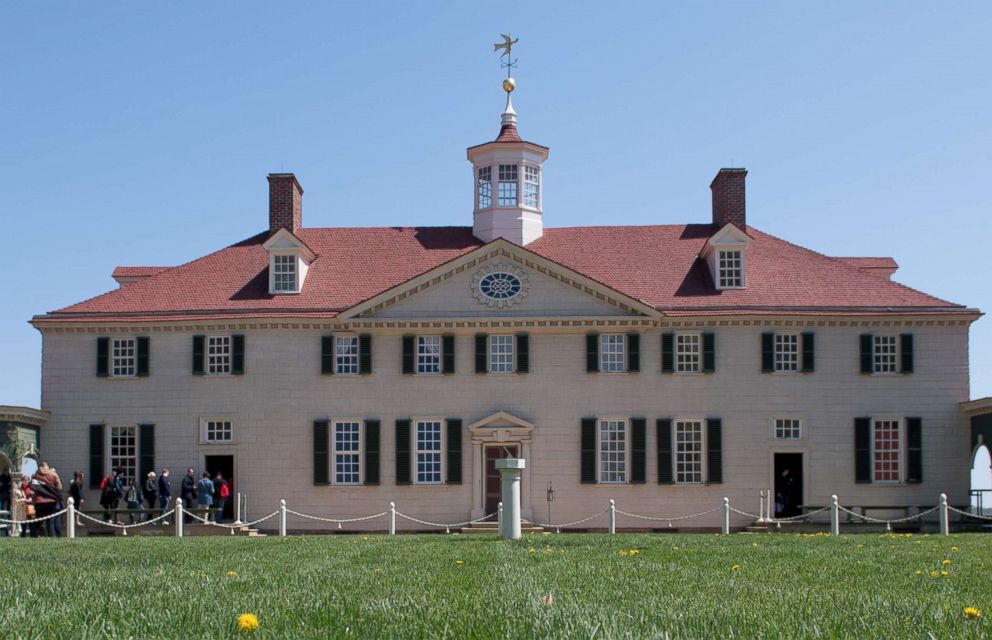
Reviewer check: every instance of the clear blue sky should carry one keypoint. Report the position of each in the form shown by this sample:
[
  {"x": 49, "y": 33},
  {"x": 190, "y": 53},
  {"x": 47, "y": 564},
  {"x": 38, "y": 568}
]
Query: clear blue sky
[{"x": 141, "y": 133}]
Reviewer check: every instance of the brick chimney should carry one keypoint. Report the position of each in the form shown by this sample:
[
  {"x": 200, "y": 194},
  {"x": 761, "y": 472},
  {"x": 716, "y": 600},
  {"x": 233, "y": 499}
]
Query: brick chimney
[
  {"x": 285, "y": 202},
  {"x": 728, "y": 198}
]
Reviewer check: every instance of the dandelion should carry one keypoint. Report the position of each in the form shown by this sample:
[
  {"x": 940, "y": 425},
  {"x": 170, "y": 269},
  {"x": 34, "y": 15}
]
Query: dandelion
[
  {"x": 232, "y": 574},
  {"x": 754, "y": 544},
  {"x": 946, "y": 562},
  {"x": 919, "y": 572},
  {"x": 247, "y": 622},
  {"x": 531, "y": 549},
  {"x": 634, "y": 552},
  {"x": 934, "y": 574},
  {"x": 955, "y": 550},
  {"x": 365, "y": 538},
  {"x": 945, "y": 573},
  {"x": 459, "y": 562},
  {"x": 972, "y": 612},
  {"x": 735, "y": 568},
  {"x": 623, "y": 552}
]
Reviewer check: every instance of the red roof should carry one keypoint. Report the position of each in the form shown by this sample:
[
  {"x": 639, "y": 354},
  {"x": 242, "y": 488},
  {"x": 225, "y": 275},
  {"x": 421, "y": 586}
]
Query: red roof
[
  {"x": 656, "y": 264},
  {"x": 508, "y": 133},
  {"x": 136, "y": 272}
]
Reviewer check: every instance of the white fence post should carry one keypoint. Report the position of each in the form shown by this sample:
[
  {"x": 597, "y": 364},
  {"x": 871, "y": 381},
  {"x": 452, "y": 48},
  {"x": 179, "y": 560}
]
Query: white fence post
[
  {"x": 945, "y": 528},
  {"x": 725, "y": 526},
  {"x": 179, "y": 517},
  {"x": 768, "y": 505},
  {"x": 282, "y": 518},
  {"x": 237, "y": 510},
  {"x": 392, "y": 518},
  {"x": 499, "y": 515},
  {"x": 70, "y": 521},
  {"x": 761, "y": 505},
  {"x": 834, "y": 516},
  {"x": 613, "y": 516}
]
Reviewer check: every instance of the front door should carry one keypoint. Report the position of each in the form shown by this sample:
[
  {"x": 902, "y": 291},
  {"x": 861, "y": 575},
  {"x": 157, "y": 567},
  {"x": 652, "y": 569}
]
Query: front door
[
  {"x": 788, "y": 484},
  {"x": 493, "y": 488},
  {"x": 224, "y": 465}
]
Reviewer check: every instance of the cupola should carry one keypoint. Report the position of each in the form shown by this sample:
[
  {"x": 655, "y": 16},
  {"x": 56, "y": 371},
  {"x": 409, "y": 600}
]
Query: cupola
[{"x": 508, "y": 180}]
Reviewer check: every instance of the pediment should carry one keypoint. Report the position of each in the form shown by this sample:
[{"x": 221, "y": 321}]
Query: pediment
[
  {"x": 462, "y": 288},
  {"x": 501, "y": 427},
  {"x": 729, "y": 235},
  {"x": 283, "y": 240}
]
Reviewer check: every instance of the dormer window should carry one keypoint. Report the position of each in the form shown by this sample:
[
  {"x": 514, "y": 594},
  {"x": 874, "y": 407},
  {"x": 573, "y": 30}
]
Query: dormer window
[
  {"x": 484, "y": 186},
  {"x": 506, "y": 187},
  {"x": 731, "y": 269},
  {"x": 724, "y": 253},
  {"x": 284, "y": 273},
  {"x": 289, "y": 260}
]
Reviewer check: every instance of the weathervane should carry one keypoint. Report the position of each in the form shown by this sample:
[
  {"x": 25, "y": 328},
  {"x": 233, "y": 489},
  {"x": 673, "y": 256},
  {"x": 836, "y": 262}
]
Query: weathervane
[{"x": 507, "y": 47}]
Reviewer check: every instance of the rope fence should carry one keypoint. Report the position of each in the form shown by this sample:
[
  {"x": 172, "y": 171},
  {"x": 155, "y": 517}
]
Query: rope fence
[{"x": 181, "y": 515}]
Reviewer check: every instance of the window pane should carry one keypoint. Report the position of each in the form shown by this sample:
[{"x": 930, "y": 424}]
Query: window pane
[
  {"x": 124, "y": 451},
  {"x": 346, "y": 354},
  {"x": 219, "y": 431},
  {"x": 284, "y": 274},
  {"x": 123, "y": 357},
  {"x": 611, "y": 352},
  {"x": 428, "y": 354},
  {"x": 687, "y": 352},
  {"x": 501, "y": 354},
  {"x": 485, "y": 187},
  {"x": 688, "y": 451},
  {"x": 886, "y": 448},
  {"x": 786, "y": 352},
  {"x": 730, "y": 267},
  {"x": 787, "y": 428},
  {"x": 530, "y": 186},
  {"x": 429, "y": 452},
  {"x": 347, "y": 453},
  {"x": 612, "y": 451},
  {"x": 885, "y": 354},
  {"x": 506, "y": 188},
  {"x": 219, "y": 354}
]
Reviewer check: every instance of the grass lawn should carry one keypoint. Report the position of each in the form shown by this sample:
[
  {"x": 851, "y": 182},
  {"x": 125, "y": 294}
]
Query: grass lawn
[{"x": 856, "y": 586}]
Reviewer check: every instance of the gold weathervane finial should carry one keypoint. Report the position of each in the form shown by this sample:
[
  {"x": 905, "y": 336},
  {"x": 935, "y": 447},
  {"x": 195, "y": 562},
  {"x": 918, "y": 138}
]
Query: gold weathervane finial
[{"x": 507, "y": 46}]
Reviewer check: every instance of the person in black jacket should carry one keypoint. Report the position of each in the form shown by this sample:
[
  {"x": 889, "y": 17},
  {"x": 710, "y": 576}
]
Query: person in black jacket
[
  {"x": 164, "y": 491},
  {"x": 150, "y": 493},
  {"x": 188, "y": 492}
]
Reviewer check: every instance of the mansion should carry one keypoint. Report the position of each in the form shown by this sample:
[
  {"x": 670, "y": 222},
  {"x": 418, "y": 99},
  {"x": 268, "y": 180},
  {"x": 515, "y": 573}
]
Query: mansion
[{"x": 663, "y": 366}]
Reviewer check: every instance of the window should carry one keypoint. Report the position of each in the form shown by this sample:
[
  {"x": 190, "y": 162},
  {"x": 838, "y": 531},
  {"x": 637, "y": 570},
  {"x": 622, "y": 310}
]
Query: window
[
  {"x": 688, "y": 451},
  {"x": 428, "y": 354},
  {"x": 218, "y": 431},
  {"x": 687, "y": 352},
  {"x": 884, "y": 352},
  {"x": 611, "y": 352},
  {"x": 500, "y": 354},
  {"x": 347, "y": 453},
  {"x": 284, "y": 273},
  {"x": 788, "y": 429},
  {"x": 613, "y": 451},
  {"x": 786, "y": 352},
  {"x": 484, "y": 185},
  {"x": 219, "y": 355},
  {"x": 124, "y": 357},
  {"x": 531, "y": 186},
  {"x": 500, "y": 286},
  {"x": 886, "y": 445},
  {"x": 506, "y": 188},
  {"x": 346, "y": 354},
  {"x": 124, "y": 450},
  {"x": 730, "y": 265},
  {"x": 429, "y": 452}
]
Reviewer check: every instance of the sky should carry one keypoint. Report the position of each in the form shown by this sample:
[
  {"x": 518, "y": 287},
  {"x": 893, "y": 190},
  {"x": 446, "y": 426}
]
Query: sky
[{"x": 141, "y": 133}]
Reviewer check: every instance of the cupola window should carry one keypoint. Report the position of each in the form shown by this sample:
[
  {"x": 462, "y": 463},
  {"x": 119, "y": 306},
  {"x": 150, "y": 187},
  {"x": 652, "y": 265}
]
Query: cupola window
[
  {"x": 531, "y": 186},
  {"x": 485, "y": 187},
  {"x": 507, "y": 185}
]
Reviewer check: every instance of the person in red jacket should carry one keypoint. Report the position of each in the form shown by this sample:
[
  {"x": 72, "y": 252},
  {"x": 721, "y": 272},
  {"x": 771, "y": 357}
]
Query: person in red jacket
[
  {"x": 47, "y": 487},
  {"x": 221, "y": 493}
]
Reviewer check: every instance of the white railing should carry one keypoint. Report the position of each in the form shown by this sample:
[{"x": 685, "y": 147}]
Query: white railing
[{"x": 611, "y": 512}]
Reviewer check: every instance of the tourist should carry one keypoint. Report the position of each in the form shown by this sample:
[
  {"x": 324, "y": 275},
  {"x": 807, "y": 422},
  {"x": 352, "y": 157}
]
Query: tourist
[
  {"x": 47, "y": 487},
  {"x": 205, "y": 490},
  {"x": 221, "y": 493},
  {"x": 151, "y": 493},
  {"x": 132, "y": 498},
  {"x": 76, "y": 493},
  {"x": 164, "y": 492},
  {"x": 59, "y": 504},
  {"x": 23, "y": 509},
  {"x": 188, "y": 492},
  {"x": 111, "y": 490}
]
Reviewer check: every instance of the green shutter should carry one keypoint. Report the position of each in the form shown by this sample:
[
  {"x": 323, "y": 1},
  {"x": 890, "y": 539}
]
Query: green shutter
[
  {"x": 402, "y": 452},
  {"x": 365, "y": 354},
  {"x": 867, "y": 357},
  {"x": 372, "y": 451},
  {"x": 454, "y": 445},
  {"x": 481, "y": 353},
  {"x": 588, "y": 454},
  {"x": 809, "y": 352},
  {"x": 408, "y": 358},
  {"x": 668, "y": 353},
  {"x": 321, "y": 452},
  {"x": 709, "y": 352},
  {"x": 633, "y": 352},
  {"x": 447, "y": 353},
  {"x": 914, "y": 445},
  {"x": 327, "y": 355},
  {"x": 143, "y": 350},
  {"x": 592, "y": 352},
  {"x": 198, "y": 354},
  {"x": 237, "y": 355},
  {"x": 714, "y": 451},
  {"x": 862, "y": 450},
  {"x": 906, "y": 349},
  {"x": 103, "y": 357},
  {"x": 146, "y": 450},
  {"x": 97, "y": 470},
  {"x": 767, "y": 352},
  {"x": 664, "y": 436},
  {"x": 638, "y": 450},
  {"x": 523, "y": 353}
]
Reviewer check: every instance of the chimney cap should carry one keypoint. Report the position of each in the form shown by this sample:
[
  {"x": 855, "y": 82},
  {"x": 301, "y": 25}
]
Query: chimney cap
[
  {"x": 285, "y": 176},
  {"x": 727, "y": 170}
]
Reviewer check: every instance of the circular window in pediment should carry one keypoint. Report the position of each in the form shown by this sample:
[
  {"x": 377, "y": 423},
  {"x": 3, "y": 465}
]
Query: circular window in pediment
[{"x": 500, "y": 285}]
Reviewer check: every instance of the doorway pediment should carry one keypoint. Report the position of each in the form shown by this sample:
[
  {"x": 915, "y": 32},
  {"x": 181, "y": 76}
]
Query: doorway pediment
[{"x": 501, "y": 426}]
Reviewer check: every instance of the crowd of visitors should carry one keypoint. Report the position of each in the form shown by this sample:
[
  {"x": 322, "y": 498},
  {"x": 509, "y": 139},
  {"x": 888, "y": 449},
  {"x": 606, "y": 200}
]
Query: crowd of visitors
[{"x": 42, "y": 494}]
